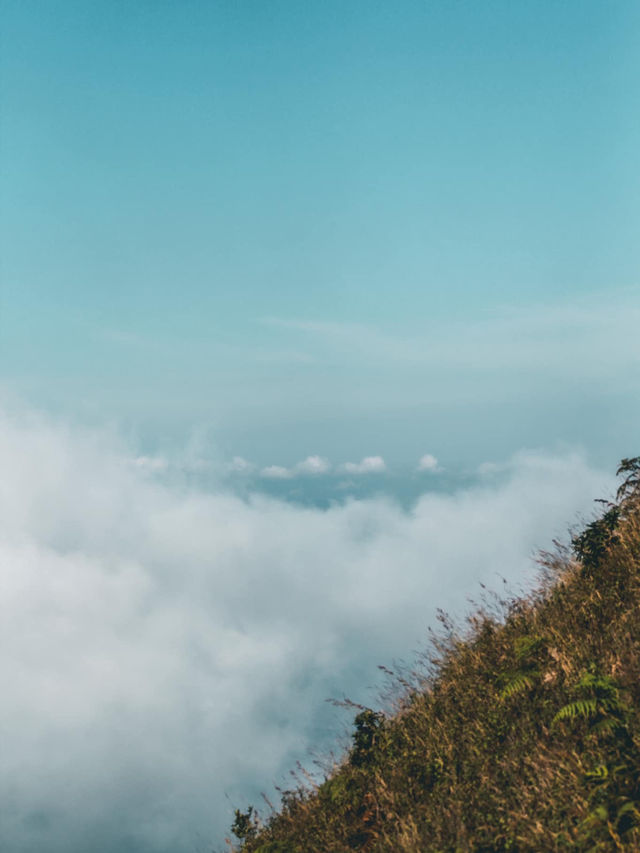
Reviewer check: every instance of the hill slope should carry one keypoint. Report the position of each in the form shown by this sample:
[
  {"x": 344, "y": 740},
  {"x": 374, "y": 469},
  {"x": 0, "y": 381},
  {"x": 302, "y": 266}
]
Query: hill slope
[{"x": 522, "y": 735}]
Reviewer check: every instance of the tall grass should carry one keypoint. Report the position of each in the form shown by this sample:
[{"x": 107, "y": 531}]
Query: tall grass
[{"x": 522, "y": 732}]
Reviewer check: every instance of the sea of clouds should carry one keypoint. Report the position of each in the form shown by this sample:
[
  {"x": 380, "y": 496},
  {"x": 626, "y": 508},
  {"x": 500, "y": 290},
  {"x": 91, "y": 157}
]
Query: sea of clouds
[{"x": 166, "y": 651}]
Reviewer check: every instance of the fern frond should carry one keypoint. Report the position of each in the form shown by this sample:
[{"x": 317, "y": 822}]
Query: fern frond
[
  {"x": 601, "y": 684},
  {"x": 529, "y": 645},
  {"x": 607, "y": 725},
  {"x": 518, "y": 683},
  {"x": 598, "y": 815},
  {"x": 599, "y": 773},
  {"x": 584, "y": 708},
  {"x": 629, "y": 808}
]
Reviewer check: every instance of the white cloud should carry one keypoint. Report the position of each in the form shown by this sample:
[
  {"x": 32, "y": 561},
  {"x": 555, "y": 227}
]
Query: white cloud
[
  {"x": 428, "y": 463},
  {"x": 240, "y": 465},
  {"x": 153, "y": 464},
  {"x": 163, "y": 648},
  {"x": 594, "y": 338},
  {"x": 313, "y": 465},
  {"x": 276, "y": 472},
  {"x": 369, "y": 465}
]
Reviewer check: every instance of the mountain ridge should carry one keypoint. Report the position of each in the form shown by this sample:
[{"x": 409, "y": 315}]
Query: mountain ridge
[{"x": 519, "y": 733}]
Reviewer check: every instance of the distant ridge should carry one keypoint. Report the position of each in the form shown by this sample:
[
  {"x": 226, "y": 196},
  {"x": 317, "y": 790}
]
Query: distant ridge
[{"x": 520, "y": 733}]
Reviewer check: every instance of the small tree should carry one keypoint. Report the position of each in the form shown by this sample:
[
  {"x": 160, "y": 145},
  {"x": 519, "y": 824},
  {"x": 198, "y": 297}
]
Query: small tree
[
  {"x": 245, "y": 824},
  {"x": 630, "y": 487}
]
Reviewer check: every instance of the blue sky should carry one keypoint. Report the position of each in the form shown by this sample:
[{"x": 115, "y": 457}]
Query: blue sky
[{"x": 235, "y": 215}]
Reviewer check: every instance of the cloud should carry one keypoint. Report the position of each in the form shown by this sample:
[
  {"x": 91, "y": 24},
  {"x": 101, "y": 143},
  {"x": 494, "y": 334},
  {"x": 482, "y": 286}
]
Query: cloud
[
  {"x": 429, "y": 463},
  {"x": 239, "y": 465},
  {"x": 166, "y": 652},
  {"x": 153, "y": 464},
  {"x": 369, "y": 465},
  {"x": 277, "y": 472},
  {"x": 313, "y": 465},
  {"x": 486, "y": 469},
  {"x": 593, "y": 338}
]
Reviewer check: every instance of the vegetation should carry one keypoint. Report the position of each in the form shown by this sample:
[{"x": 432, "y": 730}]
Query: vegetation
[{"x": 521, "y": 732}]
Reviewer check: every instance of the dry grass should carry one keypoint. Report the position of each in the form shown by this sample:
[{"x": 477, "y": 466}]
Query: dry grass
[{"x": 524, "y": 734}]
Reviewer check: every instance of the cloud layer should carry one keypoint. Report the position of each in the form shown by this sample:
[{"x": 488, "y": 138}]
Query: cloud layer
[
  {"x": 368, "y": 465},
  {"x": 311, "y": 466},
  {"x": 164, "y": 648}
]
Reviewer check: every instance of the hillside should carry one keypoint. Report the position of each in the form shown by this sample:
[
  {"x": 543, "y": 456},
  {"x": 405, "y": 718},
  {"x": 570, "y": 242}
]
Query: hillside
[{"x": 520, "y": 733}]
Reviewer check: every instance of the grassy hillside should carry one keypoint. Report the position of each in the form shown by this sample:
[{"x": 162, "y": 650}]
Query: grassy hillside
[{"x": 523, "y": 733}]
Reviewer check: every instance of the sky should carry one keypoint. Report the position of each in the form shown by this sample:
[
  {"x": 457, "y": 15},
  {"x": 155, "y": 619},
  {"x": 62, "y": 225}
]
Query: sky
[
  {"x": 288, "y": 293},
  {"x": 335, "y": 229}
]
